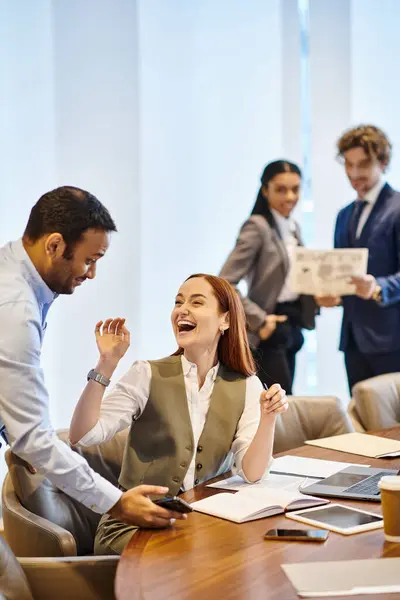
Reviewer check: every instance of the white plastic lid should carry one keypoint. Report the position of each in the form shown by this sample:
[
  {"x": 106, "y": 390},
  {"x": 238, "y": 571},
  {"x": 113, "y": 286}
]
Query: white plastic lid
[{"x": 390, "y": 482}]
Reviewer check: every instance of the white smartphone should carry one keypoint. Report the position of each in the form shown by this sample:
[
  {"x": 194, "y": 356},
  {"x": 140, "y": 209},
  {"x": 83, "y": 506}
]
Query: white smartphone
[{"x": 338, "y": 518}]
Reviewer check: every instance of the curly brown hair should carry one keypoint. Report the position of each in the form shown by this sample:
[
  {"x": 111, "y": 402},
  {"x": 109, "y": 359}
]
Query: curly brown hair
[{"x": 371, "y": 139}]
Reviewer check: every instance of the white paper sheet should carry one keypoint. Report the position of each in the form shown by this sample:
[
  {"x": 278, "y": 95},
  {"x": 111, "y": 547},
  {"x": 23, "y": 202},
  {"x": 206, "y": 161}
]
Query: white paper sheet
[
  {"x": 301, "y": 466},
  {"x": 325, "y": 272},
  {"x": 273, "y": 481}
]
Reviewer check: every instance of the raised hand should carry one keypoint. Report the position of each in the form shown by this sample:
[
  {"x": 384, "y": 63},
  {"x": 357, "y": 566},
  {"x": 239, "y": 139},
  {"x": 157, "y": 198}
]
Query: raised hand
[
  {"x": 270, "y": 324},
  {"x": 113, "y": 340},
  {"x": 273, "y": 401}
]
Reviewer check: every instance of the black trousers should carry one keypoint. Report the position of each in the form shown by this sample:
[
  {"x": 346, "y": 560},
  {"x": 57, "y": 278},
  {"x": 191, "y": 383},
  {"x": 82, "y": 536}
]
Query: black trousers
[
  {"x": 276, "y": 357},
  {"x": 361, "y": 366}
]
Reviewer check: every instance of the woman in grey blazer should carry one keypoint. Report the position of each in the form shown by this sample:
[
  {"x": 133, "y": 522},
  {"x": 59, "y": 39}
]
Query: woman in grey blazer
[{"x": 261, "y": 257}]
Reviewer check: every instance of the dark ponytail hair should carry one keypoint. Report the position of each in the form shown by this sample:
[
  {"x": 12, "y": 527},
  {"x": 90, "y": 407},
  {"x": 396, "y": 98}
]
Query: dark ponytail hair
[{"x": 271, "y": 170}]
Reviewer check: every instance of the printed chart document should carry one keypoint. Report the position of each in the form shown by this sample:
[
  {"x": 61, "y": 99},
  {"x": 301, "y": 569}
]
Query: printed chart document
[
  {"x": 345, "y": 578},
  {"x": 326, "y": 272},
  {"x": 372, "y": 446},
  {"x": 251, "y": 504}
]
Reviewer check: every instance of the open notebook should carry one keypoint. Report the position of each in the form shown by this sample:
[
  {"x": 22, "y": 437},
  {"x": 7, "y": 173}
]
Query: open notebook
[{"x": 251, "y": 504}]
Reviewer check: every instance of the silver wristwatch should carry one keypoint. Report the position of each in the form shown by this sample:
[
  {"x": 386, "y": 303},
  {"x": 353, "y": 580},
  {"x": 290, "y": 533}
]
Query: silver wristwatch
[{"x": 96, "y": 376}]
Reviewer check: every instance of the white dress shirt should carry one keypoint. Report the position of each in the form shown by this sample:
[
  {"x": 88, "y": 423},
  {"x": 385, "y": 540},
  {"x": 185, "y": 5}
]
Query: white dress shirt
[
  {"x": 24, "y": 402},
  {"x": 371, "y": 197},
  {"x": 130, "y": 395},
  {"x": 287, "y": 229}
]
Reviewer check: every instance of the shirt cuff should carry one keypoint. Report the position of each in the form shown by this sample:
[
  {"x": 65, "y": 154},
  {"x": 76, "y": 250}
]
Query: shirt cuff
[
  {"x": 92, "y": 437},
  {"x": 105, "y": 496}
]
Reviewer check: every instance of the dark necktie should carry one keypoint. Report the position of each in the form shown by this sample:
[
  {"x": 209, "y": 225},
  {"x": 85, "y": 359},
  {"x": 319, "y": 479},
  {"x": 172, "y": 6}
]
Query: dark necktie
[{"x": 355, "y": 219}]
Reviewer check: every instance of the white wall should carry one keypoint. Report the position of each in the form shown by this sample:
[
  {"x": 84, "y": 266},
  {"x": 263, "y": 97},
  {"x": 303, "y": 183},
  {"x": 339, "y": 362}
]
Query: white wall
[
  {"x": 211, "y": 117},
  {"x": 375, "y": 51}
]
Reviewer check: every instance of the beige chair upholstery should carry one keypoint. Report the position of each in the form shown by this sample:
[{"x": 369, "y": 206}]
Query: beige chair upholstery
[
  {"x": 376, "y": 401},
  {"x": 62, "y": 578},
  {"x": 309, "y": 418},
  {"x": 40, "y": 520}
]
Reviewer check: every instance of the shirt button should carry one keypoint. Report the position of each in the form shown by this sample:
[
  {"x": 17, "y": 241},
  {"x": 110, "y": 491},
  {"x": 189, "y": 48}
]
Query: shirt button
[
  {"x": 176, "y": 479},
  {"x": 196, "y": 481},
  {"x": 199, "y": 466},
  {"x": 199, "y": 448}
]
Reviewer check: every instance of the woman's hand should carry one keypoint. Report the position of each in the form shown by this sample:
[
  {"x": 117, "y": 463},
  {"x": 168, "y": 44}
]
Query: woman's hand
[
  {"x": 113, "y": 340},
  {"x": 274, "y": 401},
  {"x": 328, "y": 301},
  {"x": 270, "y": 324}
]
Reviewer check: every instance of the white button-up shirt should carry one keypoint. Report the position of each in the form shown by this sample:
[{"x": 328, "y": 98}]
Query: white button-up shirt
[
  {"x": 130, "y": 395},
  {"x": 371, "y": 197},
  {"x": 287, "y": 229},
  {"x": 24, "y": 403}
]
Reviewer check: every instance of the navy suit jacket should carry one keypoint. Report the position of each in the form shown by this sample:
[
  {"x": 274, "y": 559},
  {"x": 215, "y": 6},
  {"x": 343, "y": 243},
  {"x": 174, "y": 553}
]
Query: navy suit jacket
[{"x": 376, "y": 326}]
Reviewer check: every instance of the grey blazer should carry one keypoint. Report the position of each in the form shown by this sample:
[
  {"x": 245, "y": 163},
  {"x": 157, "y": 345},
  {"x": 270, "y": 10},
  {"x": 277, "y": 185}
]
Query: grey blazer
[{"x": 260, "y": 258}]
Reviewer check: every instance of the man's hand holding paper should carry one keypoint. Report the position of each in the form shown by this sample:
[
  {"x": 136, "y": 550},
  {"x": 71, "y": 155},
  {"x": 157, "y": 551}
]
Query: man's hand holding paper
[{"x": 330, "y": 274}]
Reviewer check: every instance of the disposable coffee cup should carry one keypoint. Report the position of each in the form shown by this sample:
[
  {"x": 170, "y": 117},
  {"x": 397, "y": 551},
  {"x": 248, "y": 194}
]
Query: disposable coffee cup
[{"x": 390, "y": 496}]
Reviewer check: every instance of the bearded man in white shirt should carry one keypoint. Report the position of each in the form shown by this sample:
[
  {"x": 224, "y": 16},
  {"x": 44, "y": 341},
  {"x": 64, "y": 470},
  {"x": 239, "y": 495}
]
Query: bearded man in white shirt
[{"x": 68, "y": 231}]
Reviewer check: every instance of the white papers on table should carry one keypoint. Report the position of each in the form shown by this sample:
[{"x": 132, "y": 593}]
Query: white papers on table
[
  {"x": 273, "y": 481},
  {"x": 287, "y": 473},
  {"x": 325, "y": 272},
  {"x": 345, "y": 578},
  {"x": 301, "y": 466}
]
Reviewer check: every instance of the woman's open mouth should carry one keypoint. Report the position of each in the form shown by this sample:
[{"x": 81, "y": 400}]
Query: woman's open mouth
[{"x": 185, "y": 326}]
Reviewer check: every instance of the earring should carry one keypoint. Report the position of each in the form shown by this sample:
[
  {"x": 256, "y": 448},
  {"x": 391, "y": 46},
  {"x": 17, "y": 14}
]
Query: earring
[{"x": 222, "y": 330}]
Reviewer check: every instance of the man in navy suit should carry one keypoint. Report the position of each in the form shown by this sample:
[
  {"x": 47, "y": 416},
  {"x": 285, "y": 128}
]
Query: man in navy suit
[{"x": 370, "y": 335}]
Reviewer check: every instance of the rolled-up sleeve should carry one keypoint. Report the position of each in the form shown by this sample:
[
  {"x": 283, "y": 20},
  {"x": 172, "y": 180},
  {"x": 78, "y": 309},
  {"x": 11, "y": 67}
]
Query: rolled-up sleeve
[
  {"x": 24, "y": 409},
  {"x": 126, "y": 401},
  {"x": 248, "y": 424}
]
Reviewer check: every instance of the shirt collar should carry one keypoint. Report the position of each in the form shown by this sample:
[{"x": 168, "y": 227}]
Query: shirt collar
[
  {"x": 285, "y": 224},
  {"x": 188, "y": 366},
  {"x": 42, "y": 291},
  {"x": 372, "y": 194}
]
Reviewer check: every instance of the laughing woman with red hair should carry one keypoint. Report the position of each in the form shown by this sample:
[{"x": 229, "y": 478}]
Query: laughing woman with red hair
[{"x": 192, "y": 415}]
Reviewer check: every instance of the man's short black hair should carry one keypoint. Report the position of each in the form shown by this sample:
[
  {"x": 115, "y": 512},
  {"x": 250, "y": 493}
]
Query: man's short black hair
[{"x": 69, "y": 211}]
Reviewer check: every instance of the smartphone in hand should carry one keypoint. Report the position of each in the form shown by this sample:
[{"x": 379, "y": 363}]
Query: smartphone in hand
[{"x": 174, "y": 503}]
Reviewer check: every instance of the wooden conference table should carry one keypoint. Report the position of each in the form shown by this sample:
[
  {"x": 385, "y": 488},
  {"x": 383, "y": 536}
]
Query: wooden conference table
[{"x": 205, "y": 558}]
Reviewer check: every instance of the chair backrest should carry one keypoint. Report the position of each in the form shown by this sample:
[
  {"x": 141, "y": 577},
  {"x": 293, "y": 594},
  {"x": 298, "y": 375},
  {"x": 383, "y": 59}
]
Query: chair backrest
[
  {"x": 38, "y": 495},
  {"x": 377, "y": 401},
  {"x": 310, "y": 418},
  {"x": 13, "y": 582}
]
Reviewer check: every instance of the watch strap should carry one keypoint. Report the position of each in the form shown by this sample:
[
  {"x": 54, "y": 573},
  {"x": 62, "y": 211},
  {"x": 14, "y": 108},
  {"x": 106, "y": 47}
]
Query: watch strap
[{"x": 96, "y": 376}]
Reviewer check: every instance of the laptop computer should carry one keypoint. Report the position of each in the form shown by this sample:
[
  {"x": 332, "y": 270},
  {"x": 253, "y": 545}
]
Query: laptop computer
[{"x": 353, "y": 483}]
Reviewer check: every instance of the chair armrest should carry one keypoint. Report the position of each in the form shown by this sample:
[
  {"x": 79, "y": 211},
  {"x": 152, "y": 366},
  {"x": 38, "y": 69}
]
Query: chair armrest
[
  {"x": 77, "y": 577},
  {"x": 31, "y": 535},
  {"x": 355, "y": 417},
  {"x": 377, "y": 401}
]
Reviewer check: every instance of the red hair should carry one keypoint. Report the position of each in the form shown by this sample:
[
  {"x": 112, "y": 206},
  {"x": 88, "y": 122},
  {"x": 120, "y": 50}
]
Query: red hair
[{"x": 233, "y": 347}]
